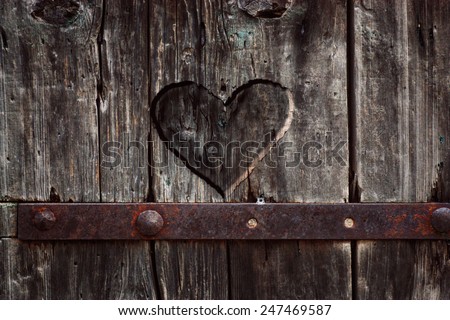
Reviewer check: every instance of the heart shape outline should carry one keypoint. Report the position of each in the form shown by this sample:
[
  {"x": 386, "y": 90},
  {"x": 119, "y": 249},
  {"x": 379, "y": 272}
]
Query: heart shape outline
[{"x": 280, "y": 133}]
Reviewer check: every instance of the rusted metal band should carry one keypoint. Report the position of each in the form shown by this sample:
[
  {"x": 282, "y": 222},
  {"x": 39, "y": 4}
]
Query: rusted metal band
[{"x": 93, "y": 221}]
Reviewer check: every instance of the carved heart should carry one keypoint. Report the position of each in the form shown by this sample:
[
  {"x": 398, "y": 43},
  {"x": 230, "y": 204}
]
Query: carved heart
[{"x": 222, "y": 142}]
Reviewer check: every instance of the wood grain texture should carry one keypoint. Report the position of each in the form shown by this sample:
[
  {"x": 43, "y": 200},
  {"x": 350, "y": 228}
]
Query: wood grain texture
[
  {"x": 60, "y": 88},
  {"x": 217, "y": 45},
  {"x": 75, "y": 75},
  {"x": 175, "y": 46},
  {"x": 124, "y": 117},
  {"x": 192, "y": 270},
  {"x": 402, "y": 114},
  {"x": 48, "y": 123},
  {"x": 8, "y": 220},
  {"x": 290, "y": 270},
  {"x": 311, "y": 65},
  {"x": 124, "y": 125},
  {"x": 221, "y": 47},
  {"x": 403, "y": 270},
  {"x": 75, "y": 270},
  {"x": 123, "y": 101}
]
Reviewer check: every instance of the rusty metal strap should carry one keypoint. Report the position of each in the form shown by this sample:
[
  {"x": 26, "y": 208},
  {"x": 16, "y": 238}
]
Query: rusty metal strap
[{"x": 92, "y": 221}]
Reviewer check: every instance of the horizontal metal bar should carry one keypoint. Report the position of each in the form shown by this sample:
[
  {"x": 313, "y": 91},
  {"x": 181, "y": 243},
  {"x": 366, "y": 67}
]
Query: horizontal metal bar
[{"x": 92, "y": 221}]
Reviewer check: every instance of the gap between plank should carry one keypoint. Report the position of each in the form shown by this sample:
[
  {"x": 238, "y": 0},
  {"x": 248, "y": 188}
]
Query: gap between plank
[{"x": 354, "y": 196}]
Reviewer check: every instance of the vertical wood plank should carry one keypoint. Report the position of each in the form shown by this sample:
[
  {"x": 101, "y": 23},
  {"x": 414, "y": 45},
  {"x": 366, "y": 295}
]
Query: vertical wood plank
[
  {"x": 124, "y": 125},
  {"x": 310, "y": 60},
  {"x": 221, "y": 47},
  {"x": 185, "y": 270},
  {"x": 403, "y": 124},
  {"x": 52, "y": 78},
  {"x": 48, "y": 123},
  {"x": 123, "y": 101}
]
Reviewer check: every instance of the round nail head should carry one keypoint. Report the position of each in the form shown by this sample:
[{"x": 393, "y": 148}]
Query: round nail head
[
  {"x": 149, "y": 223},
  {"x": 349, "y": 223},
  {"x": 440, "y": 220},
  {"x": 44, "y": 220},
  {"x": 252, "y": 223}
]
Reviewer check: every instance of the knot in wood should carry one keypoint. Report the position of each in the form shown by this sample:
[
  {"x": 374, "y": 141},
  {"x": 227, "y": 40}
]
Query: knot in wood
[
  {"x": 56, "y": 12},
  {"x": 264, "y": 8}
]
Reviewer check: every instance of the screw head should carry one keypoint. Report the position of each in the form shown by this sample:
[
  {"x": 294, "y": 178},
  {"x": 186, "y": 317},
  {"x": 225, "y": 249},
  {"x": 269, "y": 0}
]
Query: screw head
[
  {"x": 44, "y": 220},
  {"x": 440, "y": 220},
  {"x": 149, "y": 223},
  {"x": 349, "y": 223},
  {"x": 252, "y": 223}
]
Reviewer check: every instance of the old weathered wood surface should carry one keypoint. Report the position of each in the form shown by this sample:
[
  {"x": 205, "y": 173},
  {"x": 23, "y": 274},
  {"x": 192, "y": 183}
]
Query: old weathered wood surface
[
  {"x": 78, "y": 80},
  {"x": 290, "y": 270},
  {"x": 403, "y": 131},
  {"x": 221, "y": 48},
  {"x": 59, "y": 78}
]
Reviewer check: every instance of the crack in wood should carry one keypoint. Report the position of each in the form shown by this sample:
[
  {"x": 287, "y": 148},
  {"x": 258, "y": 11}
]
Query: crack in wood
[{"x": 4, "y": 38}]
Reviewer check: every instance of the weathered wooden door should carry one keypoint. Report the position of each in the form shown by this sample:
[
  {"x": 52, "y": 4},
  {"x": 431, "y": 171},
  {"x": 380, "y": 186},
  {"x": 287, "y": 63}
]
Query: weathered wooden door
[{"x": 355, "y": 96}]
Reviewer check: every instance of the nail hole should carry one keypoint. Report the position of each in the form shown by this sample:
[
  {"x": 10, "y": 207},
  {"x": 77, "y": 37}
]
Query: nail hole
[
  {"x": 349, "y": 223},
  {"x": 252, "y": 223}
]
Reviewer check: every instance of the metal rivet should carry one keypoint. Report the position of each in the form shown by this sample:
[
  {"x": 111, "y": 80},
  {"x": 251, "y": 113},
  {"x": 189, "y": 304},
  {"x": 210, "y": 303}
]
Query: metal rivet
[
  {"x": 252, "y": 223},
  {"x": 44, "y": 220},
  {"x": 349, "y": 223},
  {"x": 149, "y": 223},
  {"x": 440, "y": 220}
]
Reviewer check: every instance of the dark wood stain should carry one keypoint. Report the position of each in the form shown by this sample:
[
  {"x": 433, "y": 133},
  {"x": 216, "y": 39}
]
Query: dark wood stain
[
  {"x": 76, "y": 74},
  {"x": 402, "y": 153}
]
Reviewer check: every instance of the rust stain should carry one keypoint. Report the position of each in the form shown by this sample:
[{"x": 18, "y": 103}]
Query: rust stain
[{"x": 230, "y": 221}]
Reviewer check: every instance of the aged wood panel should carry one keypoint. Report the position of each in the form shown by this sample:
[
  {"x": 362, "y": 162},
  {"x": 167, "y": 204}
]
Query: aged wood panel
[
  {"x": 309, "y": 58},
  {"x": 75, "y": 270},
  {"x": 403, "y": 270},
  {"x": 219, "y": 46},
  {"x": 184, "y": 269},
  {"x": 124, "y": 125},
  {"x": 123, "y": 101},
  {"x": 402, "y": 116},
  {"x": 290, "y": 270},
  {"x": 192, "y": 269},
  {"x": 48, "y": 127},
  {"x": 53, "y": 77},
  {"x": 8, "y": 220}
]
